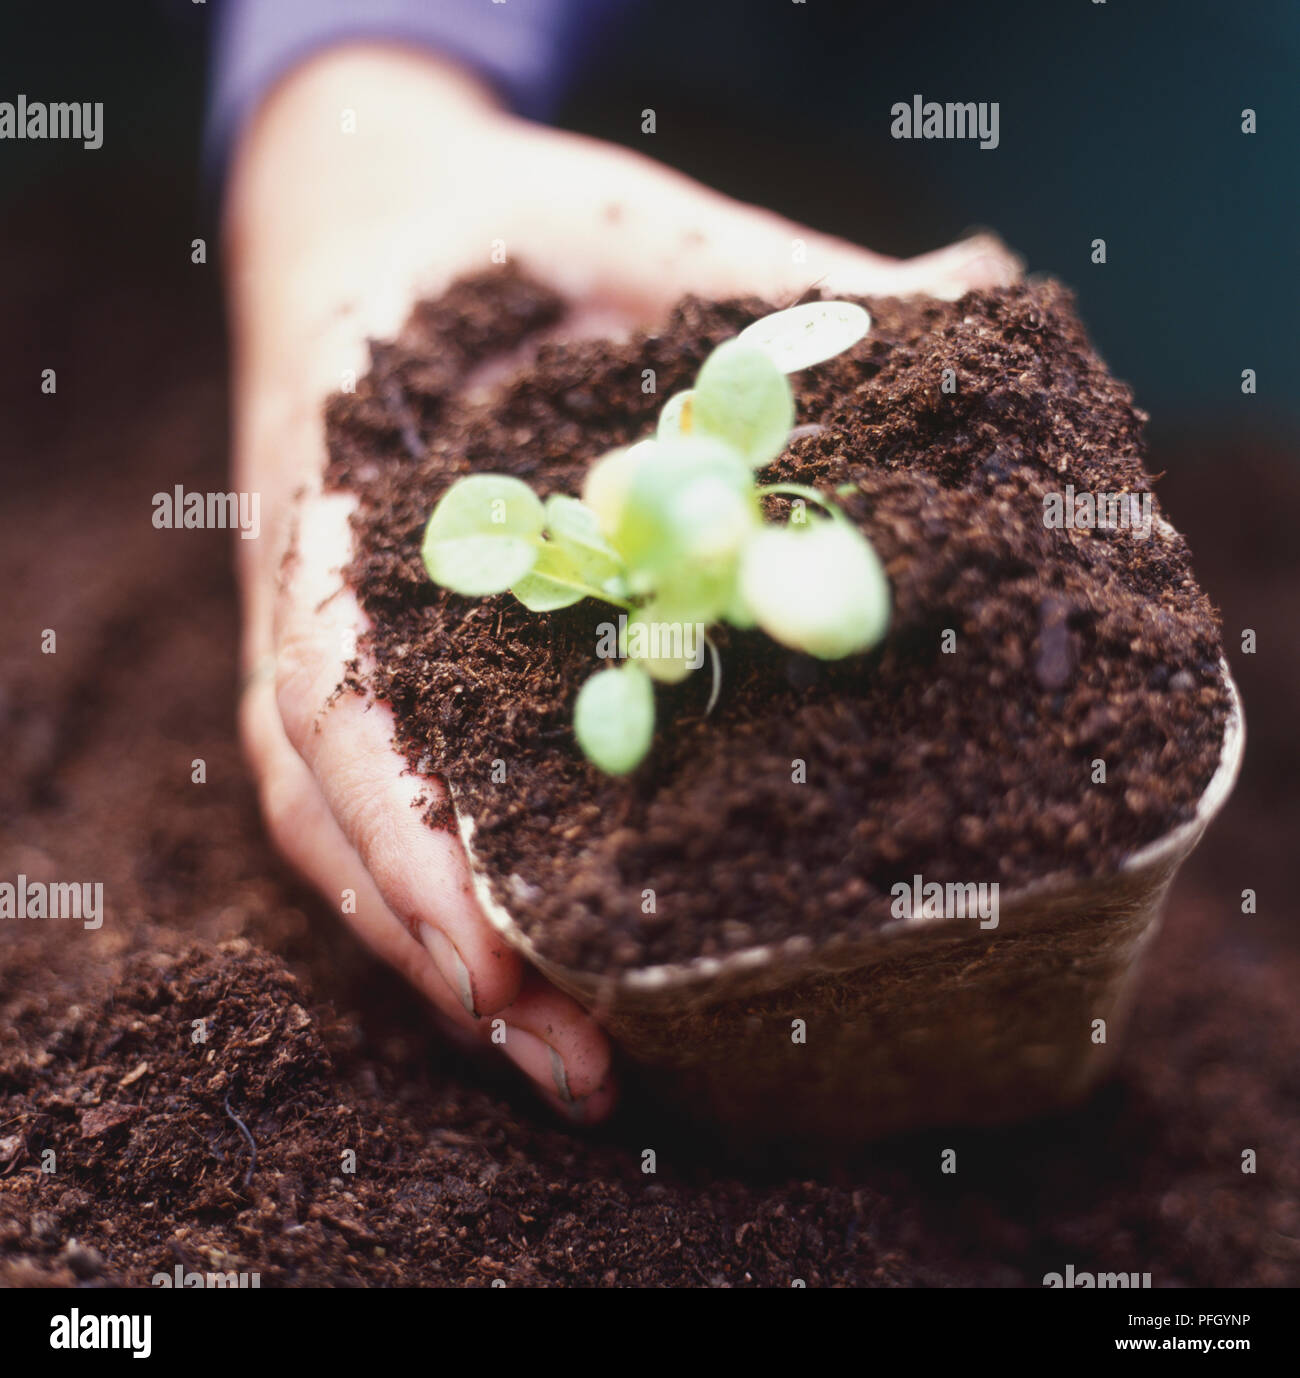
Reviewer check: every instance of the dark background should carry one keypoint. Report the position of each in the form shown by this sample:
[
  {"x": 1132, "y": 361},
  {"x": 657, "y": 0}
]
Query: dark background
[{"x": 1117, "y": 121}]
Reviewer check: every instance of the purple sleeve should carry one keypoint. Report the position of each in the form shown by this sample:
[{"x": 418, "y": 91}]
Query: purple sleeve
[{"x": 527, "y": 49}]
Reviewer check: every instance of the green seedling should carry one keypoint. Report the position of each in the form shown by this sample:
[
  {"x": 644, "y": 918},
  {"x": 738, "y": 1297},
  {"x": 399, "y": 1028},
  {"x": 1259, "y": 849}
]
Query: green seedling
[{"x": 671, "y": 532}]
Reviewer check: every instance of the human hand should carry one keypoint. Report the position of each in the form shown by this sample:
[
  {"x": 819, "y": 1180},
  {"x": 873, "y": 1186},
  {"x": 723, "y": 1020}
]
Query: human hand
[{"x": 331, "y": 236}]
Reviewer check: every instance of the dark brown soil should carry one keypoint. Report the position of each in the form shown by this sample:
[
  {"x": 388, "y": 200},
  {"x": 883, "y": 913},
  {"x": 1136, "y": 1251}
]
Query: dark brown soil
[
  {"x": 460, "y": 1177},
  {"x": 970, "y": 765}
]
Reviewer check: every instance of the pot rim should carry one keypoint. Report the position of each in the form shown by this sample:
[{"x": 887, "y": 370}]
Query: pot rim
[{"x": 1164, "y": 853}]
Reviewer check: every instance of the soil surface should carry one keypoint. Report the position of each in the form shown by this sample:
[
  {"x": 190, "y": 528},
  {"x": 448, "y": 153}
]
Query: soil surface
[
  {"x": 964, "y": 749},
  {"x": 460, "y": 1179}
]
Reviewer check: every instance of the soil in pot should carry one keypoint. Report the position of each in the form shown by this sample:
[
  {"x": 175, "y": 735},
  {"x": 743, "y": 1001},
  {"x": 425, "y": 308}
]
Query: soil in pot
[
  {"x": 966, "y": 748},
  {"x": 463, "y": 1183}
]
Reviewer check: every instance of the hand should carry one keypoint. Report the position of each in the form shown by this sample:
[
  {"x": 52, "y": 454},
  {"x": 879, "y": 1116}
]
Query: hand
[{"x": 331, "y": 236}]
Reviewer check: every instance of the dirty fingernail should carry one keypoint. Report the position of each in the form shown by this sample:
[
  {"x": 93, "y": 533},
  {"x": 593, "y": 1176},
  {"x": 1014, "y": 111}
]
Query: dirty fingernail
[
  {"x": 561, "y": 1078},
  {"x": 590, "y": 1109},
  {"x": 447, "y": 960},
  {"x": 576, "y": 1110},
  {"x": 538, "y": 1060}
]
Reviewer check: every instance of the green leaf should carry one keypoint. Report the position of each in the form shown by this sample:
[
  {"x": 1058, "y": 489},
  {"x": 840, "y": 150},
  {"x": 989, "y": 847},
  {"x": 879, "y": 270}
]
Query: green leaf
[
  {"x": 701, "y": 593},
  {"x": 821, "y": 590},
  {"x": 687, "y": 512},
  {"x": 604, "y": 490},
  {"x": 614, "y": 718},
  {"x": 737, "y": 611},
  {"x": 572, "y": 523},
  {"x": 675, "y": 420},
  {"x": 742, "y": 398},
  {"x": 484, "y": 535},
  {"x": 576, "y": 561},
  {"x": 552, "y": 583},
  {"x": 808, "y": 334}
]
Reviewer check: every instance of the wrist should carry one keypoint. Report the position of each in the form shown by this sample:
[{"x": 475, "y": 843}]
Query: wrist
[
  {"x": 336, "y": 191},
  {"x": 348, "y": 153}
]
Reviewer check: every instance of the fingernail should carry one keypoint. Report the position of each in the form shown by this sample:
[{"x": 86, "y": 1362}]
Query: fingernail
[
  {"x": 576, "y": 1110},
  {"x": 538, "y": 1060},
  {"x": 561, "y": 1078},
  {"x": 450, "y": 967},
  {"x": 581, "y": 1111}
]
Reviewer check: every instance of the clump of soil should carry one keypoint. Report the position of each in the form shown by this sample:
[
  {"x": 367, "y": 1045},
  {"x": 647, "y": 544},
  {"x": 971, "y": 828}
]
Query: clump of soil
[
  {"x": 963, "y": 749},
  {"x": 461, "y": 1178}
]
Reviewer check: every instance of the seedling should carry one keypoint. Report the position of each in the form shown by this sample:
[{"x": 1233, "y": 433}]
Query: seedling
[{"x": 671, "y": 531}]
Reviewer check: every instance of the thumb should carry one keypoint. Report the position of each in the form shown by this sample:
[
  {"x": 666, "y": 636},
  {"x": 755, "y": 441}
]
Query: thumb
[
  {"x": 735, "y": 250},
  {"x": 661, "y": 234}
]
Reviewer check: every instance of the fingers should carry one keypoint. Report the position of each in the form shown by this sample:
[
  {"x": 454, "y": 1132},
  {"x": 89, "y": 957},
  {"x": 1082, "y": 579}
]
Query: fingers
[
  {"x": 421, "y": 874},
  {"x": 341, "y": 809},
  {"x": 654, "y": 234},
  {"x": 552, "y": 1040},
  {"x": 720, "y": 248},
  {"x": 345, "y": 741},
  {"x": 558, "y": 1045},
  {"x": 306, "y": 833}
]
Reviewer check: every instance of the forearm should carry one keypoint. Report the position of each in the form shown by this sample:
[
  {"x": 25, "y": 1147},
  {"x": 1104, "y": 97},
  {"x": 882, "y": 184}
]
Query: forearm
[{"x": 341, "y": 204}]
